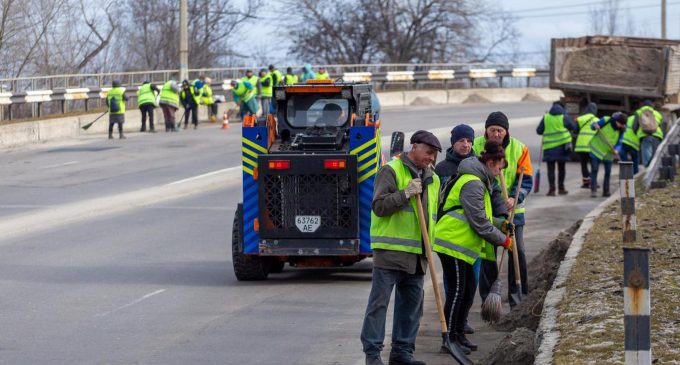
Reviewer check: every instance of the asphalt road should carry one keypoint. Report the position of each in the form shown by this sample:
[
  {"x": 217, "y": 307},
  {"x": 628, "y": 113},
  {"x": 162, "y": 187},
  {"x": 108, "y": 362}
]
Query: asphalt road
[{"x": 118, "y": 252}]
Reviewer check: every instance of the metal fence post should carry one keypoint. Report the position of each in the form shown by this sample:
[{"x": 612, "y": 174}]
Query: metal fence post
[
  {"x": 627, "y": 189},
  {"x": 636, "y": 306}
]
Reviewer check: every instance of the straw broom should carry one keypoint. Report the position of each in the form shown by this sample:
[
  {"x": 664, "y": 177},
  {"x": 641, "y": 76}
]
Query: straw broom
[{"x": 493, "y": 306}]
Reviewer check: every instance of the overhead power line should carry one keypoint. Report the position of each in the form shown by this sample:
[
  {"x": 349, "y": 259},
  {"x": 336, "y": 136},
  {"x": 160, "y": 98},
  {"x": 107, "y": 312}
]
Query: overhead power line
[
  {"x": 590, "y": 11},
  {"x": 579, "y": 5}
]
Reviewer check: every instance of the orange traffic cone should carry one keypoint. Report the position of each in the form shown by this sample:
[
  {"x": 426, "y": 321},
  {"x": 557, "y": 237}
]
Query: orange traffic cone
[{"x": 225, "y": 120}]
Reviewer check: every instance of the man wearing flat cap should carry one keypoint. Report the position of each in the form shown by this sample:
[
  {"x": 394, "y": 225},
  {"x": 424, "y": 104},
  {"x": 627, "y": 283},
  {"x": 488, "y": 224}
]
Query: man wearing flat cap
[
  {"x": 399, "y": 259},
  {"x": 497, "y": 128}
]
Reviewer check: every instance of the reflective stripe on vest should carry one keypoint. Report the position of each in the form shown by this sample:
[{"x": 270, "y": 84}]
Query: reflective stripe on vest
[
  {"x": 454, "y": 235},
  {"x": 116, "y": 92},
  {"x": 267, "y": 90},
  {"x": 630, "y": 138},
  {"x": 600, "y": 148},
  {"x": 554, "y": 133},
  {"x": 400, "y": 231},
  {"x": 513, "y": 152},
  {"x": 145, "y": 95},
  {"x": 169, "y": 95},
  {"x": 585, "y": 133}
]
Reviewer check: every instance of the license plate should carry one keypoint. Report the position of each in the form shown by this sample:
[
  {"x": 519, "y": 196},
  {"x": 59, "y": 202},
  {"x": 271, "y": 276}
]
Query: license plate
[{"x": 307, "y": 223}]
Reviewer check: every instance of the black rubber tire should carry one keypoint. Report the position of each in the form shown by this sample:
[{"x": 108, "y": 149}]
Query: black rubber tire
[
  {"x": 246, "y": 267},
  {"x": 276, "y": 266}
]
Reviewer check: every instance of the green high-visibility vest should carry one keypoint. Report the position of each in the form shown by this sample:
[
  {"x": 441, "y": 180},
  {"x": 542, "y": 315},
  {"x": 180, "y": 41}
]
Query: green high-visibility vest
[
  {"x": 630, "y": 137},
  {"x": 659, "y": 118},
  {"x": 117, "y": 93},
  {"x": 554, "y": 133},
  {"x": 585, "y": 133},
  {"x": 278, "y": 79},
  {"x": 291, "y": 79},
  {"x": 145, "y": 95},
  {"x": 243, "y": 92},
  {"x": 513, "y": 152},
  {"x": 267, "y": 90},
  {"x": 322, "y": 76},
  {"x": 253, "y": 81},
  {"x": 401, "y": 230},
  {"x": 169, "y": 95},
  {"x": 207, "y": 95},
  {"x": 454, "y": 235},
  {"x": 598, "y": 147}
]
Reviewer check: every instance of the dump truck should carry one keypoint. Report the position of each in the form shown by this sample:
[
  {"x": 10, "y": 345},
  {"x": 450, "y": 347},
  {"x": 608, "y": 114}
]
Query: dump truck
[
  {"x": 308, "y": 173},
  {"x": 617, "y": 73}
]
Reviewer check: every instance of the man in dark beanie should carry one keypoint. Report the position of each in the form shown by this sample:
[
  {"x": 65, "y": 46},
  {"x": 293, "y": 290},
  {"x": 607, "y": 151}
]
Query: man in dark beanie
[
  {"x": 497, "y": 128},
  {"x": 399, "y": 260}
]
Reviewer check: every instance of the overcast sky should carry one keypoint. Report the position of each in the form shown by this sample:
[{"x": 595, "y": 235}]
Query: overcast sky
[{"x": 536, "y": 20}]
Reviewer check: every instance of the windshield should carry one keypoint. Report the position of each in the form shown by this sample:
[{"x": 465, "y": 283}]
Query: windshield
[{"x": 318, "y": 110}]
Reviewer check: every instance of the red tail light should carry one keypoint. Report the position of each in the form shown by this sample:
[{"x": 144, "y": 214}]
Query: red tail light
[
  {"x": 334, "y": 164},
  {"x": 279, "y": 165}
]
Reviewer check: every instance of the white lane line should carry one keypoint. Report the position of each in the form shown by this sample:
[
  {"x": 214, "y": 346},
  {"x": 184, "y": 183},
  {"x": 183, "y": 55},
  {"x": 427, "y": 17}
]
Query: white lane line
[
  {"x": 147, "y": 296},
  {"x": 175, "y": 207},
  {"x": 61, "y": 164},
  {"x": 204, "y": 175}
]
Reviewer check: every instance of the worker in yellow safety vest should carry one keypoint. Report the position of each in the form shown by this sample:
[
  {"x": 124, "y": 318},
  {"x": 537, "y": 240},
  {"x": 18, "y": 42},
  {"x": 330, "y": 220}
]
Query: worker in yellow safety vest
[
  {"x": 604, "y": 148},
  {"x": 585, "y": 134},
  {"x": 207, "y": 98},
  {"x": 290, "y": 78},
  {"x": 267, "y": 84},
  {"x": 399, "y": 260},
  {"x": 556, "y": 144},
  {"x": 115, "y": 102}
]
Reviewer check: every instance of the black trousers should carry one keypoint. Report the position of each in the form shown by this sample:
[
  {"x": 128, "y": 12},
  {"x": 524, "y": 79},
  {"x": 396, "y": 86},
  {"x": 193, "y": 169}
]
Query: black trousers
[
  {"x": 193, "y": 110},
  {"x": 460, "y": 292},
  {"x": 584, "y": 157},
  {"x": 146, "y": 109},
  {"x": 562, "y": 172}
]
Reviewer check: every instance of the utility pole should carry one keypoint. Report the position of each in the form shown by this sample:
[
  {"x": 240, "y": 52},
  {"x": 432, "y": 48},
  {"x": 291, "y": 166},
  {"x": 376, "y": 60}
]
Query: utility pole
[
  {"x": 663, "y": 19},
  {"x": 183, "y": 42}
]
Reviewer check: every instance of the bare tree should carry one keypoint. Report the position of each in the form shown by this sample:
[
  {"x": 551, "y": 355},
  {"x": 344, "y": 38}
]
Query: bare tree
[
  {"x": 606, "y": 19},
  {"x": 395, "y": 31},
  {"x": 153, "y": 36}
]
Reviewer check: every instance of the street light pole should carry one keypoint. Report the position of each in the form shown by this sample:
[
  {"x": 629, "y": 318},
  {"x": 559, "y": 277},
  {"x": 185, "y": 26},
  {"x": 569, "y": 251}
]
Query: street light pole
[
  {"x": 663, "y": 19},
  {"x": 183, "y": 42}
]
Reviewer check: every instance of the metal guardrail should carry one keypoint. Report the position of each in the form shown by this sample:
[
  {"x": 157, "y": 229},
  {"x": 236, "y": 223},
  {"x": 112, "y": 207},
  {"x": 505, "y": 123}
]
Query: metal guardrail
[{"x": 59, "y": 100}]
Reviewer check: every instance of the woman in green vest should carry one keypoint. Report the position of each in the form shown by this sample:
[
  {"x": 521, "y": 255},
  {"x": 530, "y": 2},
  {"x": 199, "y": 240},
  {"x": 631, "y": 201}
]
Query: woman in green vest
[
  {"x": 465, "y": 227},
  {"x": 555, "y": 127},
  {"x": 585, "y": 134},
  {"x": 604, "y": 148},
  {"x": 115, "y": 102}
]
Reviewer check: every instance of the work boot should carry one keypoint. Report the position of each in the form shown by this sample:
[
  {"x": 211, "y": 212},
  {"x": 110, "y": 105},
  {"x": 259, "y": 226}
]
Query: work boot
[
  {"x": 404, "y": 359},
  {"x": 122, "y": 136},
  {"x": 374, "y": 360},
  {"x": 593, "y": 193},
  {"x": 551, "y": 192},
  {"x": 563, "y": 191},
  {"x": 467, "y": 329},
  {"x": 195, "y": 126},
  {"x": 152, "y": 131},
  {"x": 465, "y": 342},
  {"x": 143, "y": 129},
  {"x": 453, "y": 338},
  {"x": 110, "y": 136},
  {"x": 605, "y": 193},
  {"x": 185, "y": 126},
  {"x": 586, "y": 183}
]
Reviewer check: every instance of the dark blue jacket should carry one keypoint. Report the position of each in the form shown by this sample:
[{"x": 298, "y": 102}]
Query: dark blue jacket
[{"x": 559, "y": 153}]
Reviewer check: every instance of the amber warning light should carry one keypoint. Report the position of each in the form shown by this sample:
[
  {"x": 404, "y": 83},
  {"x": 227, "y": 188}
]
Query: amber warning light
[
  {"x": 334, "y": 164},
  {"x": 279, "y": 165}
]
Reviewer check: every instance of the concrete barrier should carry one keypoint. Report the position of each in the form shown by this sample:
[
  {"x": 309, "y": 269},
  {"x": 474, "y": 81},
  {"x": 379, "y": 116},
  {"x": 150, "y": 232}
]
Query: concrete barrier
[{"x": 13, "y": 135}]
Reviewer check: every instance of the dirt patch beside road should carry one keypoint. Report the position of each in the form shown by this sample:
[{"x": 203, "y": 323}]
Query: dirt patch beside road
[{"x": 591, "y": 315}]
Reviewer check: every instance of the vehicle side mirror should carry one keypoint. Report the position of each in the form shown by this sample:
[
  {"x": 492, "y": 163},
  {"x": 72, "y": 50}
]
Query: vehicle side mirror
[{"x": 397, "y": 144}]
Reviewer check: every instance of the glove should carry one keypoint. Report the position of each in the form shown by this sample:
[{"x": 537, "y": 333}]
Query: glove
[
  {"x": 508, "y": 244},
  {"x": 507, "y": 227},
  {"x": 414, "y": 187}
]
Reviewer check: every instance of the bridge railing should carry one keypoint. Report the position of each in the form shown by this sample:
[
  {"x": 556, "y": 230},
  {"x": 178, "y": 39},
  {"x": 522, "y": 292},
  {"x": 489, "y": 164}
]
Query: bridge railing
[{"x": 59, "y": 94}]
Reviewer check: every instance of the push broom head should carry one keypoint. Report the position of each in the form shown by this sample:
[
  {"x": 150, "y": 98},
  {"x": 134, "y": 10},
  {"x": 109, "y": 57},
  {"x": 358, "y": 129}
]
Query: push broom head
[{"x": 492, "y": 307}]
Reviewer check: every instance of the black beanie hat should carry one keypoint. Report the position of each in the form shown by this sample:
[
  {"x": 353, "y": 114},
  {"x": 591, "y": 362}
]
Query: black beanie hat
[{"x": 497, "y": 118}]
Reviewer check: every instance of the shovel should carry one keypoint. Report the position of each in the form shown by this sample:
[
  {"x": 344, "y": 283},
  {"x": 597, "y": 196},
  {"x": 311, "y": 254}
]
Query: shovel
[
  {"x": 537, "y": 179},
  {"x": 516, "y": 297},
  {"x": 451, "y": 348}
]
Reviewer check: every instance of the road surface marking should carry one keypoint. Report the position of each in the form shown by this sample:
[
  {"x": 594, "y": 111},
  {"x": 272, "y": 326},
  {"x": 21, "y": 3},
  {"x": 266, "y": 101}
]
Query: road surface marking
[
  {"x": 205, "y": 175},
  {"x": 147, "y": 296},
  {"x": 61, "y": 164}
]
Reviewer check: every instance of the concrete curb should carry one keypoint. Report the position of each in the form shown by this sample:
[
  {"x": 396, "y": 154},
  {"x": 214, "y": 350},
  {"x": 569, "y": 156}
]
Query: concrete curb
[{"x": 547, "y": 334}]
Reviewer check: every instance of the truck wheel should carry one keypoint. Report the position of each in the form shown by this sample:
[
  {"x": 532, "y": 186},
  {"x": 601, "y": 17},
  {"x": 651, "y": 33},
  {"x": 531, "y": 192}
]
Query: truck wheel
[
  {"x": 275, "y": 266},
  {"x": 246, "y": 267}
]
